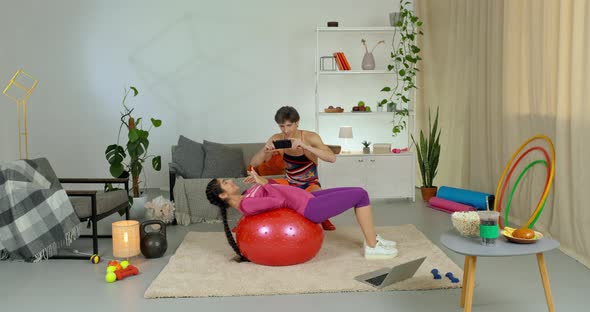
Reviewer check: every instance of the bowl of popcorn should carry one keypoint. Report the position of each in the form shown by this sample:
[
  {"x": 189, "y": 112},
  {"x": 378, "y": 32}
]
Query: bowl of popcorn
[{"x": 466, "y": 222}]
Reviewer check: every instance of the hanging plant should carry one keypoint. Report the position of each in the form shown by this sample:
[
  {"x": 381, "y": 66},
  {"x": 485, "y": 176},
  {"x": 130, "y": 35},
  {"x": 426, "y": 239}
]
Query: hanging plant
[{"x": 404, "y": 59}]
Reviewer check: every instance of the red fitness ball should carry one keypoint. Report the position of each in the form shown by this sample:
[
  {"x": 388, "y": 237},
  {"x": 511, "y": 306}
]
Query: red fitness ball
[{"x": 279, "y": 237}]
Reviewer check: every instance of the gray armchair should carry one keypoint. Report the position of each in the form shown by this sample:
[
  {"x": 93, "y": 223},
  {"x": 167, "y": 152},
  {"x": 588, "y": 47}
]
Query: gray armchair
[{"x": 89, "y": 205}]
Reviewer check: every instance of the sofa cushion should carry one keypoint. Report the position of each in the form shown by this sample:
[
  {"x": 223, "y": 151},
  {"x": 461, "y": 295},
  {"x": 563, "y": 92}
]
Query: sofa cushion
[
  {"x": 190, "y": 158},
  {"x": 248, "y": 149},
  {"x": 222, "y": 161}
]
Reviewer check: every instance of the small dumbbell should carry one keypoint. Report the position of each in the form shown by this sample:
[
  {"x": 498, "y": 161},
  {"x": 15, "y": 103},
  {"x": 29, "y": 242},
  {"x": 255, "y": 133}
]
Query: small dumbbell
[
  {"x": 435, "y": 274},
  {"x": 452, "y": 278},
  {"x": 129, "y": 271}
]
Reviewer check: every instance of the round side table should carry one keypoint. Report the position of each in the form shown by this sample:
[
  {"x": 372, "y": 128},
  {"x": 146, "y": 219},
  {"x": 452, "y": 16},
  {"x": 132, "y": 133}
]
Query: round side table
[{"x": 472, "y": 248}]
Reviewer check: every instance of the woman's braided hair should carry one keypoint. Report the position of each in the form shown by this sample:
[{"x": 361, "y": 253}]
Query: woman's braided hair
[{"x": 213, "y": 191}]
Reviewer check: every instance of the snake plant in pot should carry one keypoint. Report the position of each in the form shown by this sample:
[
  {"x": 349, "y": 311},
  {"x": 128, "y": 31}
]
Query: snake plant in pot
[
  {"x": 428, "y": 153},
  {"x": 129, "y": 159}
]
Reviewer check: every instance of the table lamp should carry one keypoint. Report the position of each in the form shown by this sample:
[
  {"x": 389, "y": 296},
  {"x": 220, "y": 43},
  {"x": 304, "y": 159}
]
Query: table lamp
[
  {"x": 345, "y": 133},
  {"x": 125, "y": 238},
  {"x": 19, "y": 89}
]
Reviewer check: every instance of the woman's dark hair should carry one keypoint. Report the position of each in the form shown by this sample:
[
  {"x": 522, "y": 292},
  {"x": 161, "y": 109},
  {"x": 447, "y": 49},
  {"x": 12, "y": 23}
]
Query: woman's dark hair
[
  {"x": 286, "y": 113},
  {"x": 213, "y": 191}
]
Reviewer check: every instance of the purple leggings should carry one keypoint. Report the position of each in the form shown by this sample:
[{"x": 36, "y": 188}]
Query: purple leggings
[{"x": 332, "y": 202}]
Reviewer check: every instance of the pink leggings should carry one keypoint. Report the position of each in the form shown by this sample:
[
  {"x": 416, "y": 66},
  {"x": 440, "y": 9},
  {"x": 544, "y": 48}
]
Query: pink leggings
[{"x": 332, "y": 202}]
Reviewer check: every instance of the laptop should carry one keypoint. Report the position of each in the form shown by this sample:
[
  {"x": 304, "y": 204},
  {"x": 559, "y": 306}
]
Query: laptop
[{"x": 387, "y": 276}]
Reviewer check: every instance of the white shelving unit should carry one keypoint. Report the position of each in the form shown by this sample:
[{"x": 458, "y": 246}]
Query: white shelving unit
[
  {"x": 384, "y": 32},
  {"x": 395, "y": 172}
]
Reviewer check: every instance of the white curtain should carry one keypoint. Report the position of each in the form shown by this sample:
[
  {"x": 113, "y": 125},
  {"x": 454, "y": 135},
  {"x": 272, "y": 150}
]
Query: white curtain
[{"x": 502, "y": 71}]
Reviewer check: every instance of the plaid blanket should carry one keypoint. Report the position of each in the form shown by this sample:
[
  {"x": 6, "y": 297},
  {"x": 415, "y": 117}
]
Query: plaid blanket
[{"x": 36, "y": 219}]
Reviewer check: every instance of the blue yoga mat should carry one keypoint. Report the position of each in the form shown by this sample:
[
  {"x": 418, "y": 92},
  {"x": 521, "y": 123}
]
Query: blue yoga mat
[{"x": 467, "y": 197}]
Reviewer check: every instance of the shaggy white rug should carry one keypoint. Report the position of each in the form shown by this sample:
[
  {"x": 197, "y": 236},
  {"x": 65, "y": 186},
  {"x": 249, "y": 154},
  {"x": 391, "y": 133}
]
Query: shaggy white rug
[{"x": 203, "y": 266}]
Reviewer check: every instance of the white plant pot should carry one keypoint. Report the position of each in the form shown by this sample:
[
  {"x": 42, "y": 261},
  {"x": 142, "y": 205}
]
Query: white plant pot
[
  {"x": 394, "y": 18},
  {"x": 137, "y": 211}
]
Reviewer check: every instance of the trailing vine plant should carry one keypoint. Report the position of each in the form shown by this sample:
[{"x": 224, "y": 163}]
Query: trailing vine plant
[{"x": 404, "y": 59}]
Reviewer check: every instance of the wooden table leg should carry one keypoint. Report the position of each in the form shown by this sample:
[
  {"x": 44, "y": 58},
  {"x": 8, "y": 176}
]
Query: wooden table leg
[
  {"x": 464, "y": 281},
  {"x": 545, "y": 279},
  {"x": 470, "y": 282}
]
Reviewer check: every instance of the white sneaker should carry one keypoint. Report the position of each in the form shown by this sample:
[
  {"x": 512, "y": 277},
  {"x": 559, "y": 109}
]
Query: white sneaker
[
  {"x": 379, "y": 252},
  {"x": 386, "y": 243}
]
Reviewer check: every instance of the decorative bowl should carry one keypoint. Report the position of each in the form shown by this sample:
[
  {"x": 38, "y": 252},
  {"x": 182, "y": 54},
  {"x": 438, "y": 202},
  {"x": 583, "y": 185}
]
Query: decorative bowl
[
  {"x": 336, "y": 149},
  {"x": 333, "y": 110}
]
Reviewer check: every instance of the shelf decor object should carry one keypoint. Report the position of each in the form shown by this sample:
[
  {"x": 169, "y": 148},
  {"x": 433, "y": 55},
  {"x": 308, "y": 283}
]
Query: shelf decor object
[
  {"x": 327, "y": 63},
  {"x": 368, "y": 62},
  {"x": 345, "y": 133},
  {"x": 382, "y": 148},
  {"x": 19, "y": 89}
]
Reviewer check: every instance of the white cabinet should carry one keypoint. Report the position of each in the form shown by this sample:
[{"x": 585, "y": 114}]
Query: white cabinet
[{"x": 382, "y": 175}]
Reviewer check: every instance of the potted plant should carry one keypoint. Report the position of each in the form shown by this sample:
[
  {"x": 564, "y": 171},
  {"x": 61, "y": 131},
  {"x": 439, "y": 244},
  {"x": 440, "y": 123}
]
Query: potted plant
[
  {"x": 366, "y": 148},
  {"x": 129, "y": 159},
  {"x": 404, "y": 60},
  {"x": 428, "y": 153},
  {"x": 379, "y": 106}
]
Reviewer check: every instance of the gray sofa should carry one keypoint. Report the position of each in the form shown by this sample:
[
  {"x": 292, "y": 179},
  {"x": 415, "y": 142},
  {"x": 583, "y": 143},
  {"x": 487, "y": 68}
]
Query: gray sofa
[{"x": 194, "y": 164}]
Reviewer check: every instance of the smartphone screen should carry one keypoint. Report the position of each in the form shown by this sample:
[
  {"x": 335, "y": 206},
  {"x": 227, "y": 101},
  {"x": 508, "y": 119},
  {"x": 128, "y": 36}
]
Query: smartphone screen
[{"x": 282, "y": 144}]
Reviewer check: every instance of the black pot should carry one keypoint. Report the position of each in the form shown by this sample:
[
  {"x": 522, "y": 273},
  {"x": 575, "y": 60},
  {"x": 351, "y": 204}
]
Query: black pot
[{"x": 153, "y": 244}]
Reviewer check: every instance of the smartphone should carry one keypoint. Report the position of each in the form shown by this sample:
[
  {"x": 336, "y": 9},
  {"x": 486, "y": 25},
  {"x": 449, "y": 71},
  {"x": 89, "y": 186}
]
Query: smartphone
[{"x": 282, "y": 144}]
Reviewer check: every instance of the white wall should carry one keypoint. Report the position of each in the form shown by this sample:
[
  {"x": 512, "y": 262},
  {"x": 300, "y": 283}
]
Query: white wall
[{"x": 215, "y": 70}]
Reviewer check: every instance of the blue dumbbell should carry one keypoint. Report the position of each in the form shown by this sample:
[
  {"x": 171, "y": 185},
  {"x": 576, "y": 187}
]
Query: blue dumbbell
[
  {"x": 452, "y": 278},
  {"x": 435, "y": 274}
]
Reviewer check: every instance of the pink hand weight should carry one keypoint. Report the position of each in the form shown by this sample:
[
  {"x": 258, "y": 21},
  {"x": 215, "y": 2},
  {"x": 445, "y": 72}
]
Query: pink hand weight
[{"x": 399, "y": 150}]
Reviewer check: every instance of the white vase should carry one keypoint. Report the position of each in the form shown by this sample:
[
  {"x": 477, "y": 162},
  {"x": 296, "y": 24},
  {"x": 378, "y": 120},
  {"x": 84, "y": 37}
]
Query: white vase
[
  {"x": 380, "y": 108},
  {"x": 368, "y": 61},
  {"x": 137, "y": 211}
]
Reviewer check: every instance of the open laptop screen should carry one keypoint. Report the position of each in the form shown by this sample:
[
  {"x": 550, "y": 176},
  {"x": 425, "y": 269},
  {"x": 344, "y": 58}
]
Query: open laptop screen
[{"x": 387, "y": 276}]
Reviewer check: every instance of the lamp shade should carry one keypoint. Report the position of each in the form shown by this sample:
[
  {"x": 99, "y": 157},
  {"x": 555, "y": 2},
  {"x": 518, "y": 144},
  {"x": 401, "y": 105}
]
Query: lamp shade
[
  {"x": 125, "y": 238},
  {"x": 345, "y": 132}
]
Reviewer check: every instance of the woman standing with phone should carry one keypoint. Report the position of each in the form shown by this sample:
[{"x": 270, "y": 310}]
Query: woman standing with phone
[{"x": 301, "y": 157}]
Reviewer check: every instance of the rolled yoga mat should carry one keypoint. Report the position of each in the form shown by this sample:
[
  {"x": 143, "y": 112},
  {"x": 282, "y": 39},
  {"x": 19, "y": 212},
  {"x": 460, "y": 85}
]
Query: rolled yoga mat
[
  {"x": 447, "y": 205},
  {"x": 467, "y": 197}
]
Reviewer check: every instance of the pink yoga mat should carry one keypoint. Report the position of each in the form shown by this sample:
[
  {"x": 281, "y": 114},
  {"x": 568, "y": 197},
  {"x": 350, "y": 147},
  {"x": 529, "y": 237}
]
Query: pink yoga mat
[{"x": 447, "y": 205}]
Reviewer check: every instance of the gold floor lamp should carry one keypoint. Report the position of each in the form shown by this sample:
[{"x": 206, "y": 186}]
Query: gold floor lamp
[{"x": 24, "y": 85}]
